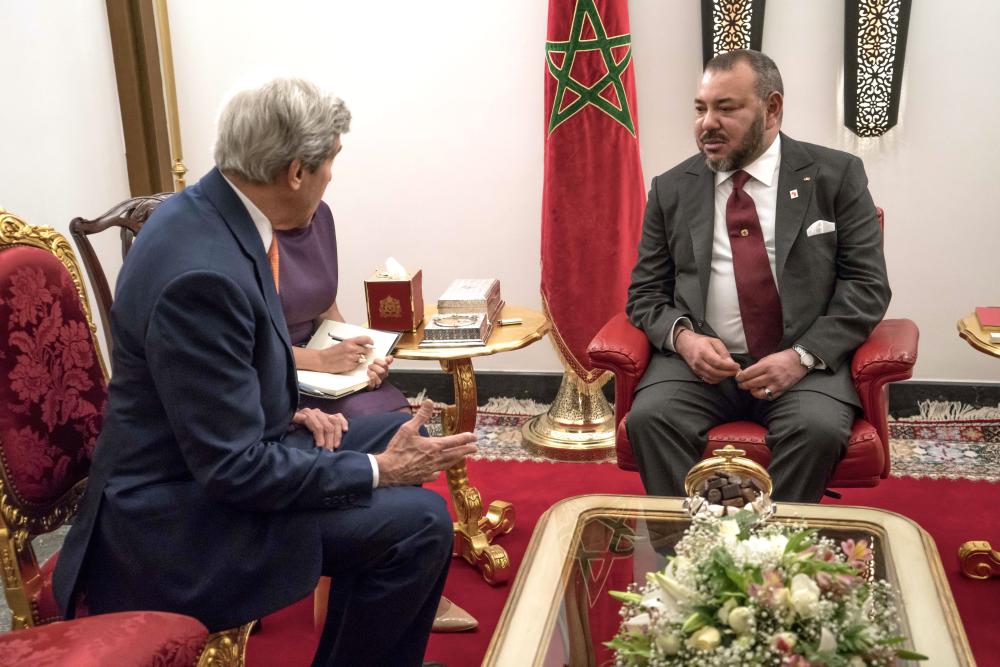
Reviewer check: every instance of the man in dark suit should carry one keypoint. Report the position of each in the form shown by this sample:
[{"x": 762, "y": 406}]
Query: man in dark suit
[
  {"x": 760, "y": 271},
  {"x": 210, "y": 494}
]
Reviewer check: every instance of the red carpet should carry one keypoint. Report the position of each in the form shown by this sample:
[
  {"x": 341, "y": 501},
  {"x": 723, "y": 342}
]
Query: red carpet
[{"x": 951, "y": 511}]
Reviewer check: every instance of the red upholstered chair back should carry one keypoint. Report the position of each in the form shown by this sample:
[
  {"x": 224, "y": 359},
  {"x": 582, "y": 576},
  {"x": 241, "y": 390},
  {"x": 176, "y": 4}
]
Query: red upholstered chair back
[
  {"x": 53, "y": 388},
  {"x": 887, "y": 356},
  {"x": 128, "y": 217}
]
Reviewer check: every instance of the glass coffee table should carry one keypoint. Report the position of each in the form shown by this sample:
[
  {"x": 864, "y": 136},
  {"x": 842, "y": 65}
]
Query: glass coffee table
[{"x": 559, "y": 611}]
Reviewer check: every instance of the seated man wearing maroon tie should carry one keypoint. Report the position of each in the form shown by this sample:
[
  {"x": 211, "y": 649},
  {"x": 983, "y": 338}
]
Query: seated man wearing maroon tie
[{"x": 760, "y": 271}]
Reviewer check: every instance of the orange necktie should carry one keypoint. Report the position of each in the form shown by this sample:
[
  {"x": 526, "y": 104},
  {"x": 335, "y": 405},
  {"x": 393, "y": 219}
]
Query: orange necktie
[{"x": 272, "y": 257}]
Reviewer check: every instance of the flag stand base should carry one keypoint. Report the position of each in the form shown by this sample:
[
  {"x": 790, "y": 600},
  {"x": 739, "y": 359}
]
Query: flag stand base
[{"x": 579, "y": 426}]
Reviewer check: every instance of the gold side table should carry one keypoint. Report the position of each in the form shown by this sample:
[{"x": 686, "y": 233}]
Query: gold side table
[
  {"x": 978, "y": 559},
  {"x": 474, "y": 530}
]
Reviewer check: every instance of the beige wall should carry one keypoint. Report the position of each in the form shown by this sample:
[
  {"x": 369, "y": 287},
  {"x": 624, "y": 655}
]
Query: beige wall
[
  {"x": 62, "y": 153},
  {"x": 443, "y": 166}
]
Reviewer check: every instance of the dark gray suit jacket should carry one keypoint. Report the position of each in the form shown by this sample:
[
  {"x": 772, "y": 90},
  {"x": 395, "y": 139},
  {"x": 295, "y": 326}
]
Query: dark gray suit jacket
[{"x": 833, "y": 286}]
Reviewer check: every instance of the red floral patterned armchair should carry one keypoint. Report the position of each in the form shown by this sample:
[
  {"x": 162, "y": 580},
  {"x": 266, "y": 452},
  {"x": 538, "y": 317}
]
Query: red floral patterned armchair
[
  {"x": 52, "y": 397},
  {"x": 887, "y": 356}
]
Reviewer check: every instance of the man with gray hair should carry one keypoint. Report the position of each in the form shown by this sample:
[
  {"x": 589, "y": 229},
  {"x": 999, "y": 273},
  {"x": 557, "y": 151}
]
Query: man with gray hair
[
  {"x": 760, "y": 271},
  {"x": 210, "y": 493}
]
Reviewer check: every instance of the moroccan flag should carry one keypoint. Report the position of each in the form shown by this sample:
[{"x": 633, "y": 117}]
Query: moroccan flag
[{"x": 593, "y": 195}]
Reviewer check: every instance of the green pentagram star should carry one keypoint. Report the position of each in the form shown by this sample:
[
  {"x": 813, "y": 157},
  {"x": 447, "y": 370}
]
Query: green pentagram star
[{"x": 586, "y": 9}]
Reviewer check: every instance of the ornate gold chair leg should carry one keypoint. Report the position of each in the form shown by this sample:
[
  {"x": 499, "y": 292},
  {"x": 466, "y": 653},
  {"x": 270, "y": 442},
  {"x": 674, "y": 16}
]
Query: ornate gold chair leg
[
  {"x": 227, "y": 648},
  {"x": 979, "y": 560}
]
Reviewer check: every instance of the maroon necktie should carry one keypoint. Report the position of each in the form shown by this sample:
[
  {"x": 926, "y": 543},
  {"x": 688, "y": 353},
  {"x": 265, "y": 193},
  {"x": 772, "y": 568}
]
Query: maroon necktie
[{"x": 760, "y": 307}]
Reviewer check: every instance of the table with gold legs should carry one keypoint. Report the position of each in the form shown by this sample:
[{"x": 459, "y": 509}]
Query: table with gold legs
[
  {"x": 979, "y": 560},
  {"x": 474, "y": 528}
]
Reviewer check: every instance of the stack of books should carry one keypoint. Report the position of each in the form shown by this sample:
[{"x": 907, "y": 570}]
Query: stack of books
[
  {"x": 988, "y": 318},
  {"x": 467, "y": 312}
]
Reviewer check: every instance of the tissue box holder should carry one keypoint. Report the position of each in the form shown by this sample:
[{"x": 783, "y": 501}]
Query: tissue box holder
[{"x": 394, "y": 304}]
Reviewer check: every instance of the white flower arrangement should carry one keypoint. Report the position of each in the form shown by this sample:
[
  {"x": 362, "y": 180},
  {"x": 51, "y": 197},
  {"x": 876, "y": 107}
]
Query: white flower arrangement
[{"x": 742, "y": 592}]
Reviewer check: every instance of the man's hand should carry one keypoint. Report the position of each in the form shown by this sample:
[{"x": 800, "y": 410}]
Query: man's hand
[
  {"x": 378, "y": 370},
  {"x": 707, "y": 357},
  {"x": 327, "y": 430},
  {"x": 776, "y": 372},
  {"x": 411, "y": 458},
  {"x": 344, "y": 356}
]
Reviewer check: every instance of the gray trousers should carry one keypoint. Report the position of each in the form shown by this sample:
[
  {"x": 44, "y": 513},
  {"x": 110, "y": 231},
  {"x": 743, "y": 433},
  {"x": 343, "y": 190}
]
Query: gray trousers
[{"x": 807, "y": 433}]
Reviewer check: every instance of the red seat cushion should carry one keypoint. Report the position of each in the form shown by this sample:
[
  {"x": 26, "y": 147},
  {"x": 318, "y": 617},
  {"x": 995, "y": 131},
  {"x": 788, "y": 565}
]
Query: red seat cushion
[
  {"x": 126, "y": 639},
  {"x": 861, "y": 466}
]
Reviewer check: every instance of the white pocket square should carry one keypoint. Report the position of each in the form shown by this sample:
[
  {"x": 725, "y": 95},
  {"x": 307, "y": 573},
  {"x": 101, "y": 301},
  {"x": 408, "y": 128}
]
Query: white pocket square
[{"x": 821, "y": 227}]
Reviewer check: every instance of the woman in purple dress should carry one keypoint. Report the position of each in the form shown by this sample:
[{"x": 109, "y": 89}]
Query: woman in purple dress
[
  {"x": 307, "y": 286},
  {"x": 307, "y": 282}
]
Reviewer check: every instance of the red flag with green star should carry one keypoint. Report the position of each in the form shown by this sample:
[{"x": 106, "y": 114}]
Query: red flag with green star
[{"x": 593, "y": 195}]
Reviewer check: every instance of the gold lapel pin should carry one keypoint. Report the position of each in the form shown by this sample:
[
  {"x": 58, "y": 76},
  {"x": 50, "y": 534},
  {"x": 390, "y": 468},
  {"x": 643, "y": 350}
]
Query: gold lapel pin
[{"x": 794, "y": 194}]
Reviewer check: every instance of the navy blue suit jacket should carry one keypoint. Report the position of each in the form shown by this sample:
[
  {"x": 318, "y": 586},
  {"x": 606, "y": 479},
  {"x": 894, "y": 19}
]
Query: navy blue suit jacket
[{"x": 195, "y": 497}]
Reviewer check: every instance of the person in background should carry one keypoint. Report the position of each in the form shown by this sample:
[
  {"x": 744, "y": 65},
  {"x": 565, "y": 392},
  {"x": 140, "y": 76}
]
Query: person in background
[
  {"x": 211, "y": 494},
  {"x": 760, "y": 271},
  {"x": 308, "y": 279}
]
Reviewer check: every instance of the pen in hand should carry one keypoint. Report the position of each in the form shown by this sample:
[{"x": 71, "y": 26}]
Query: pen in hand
[{"x": 343, "y": 340}]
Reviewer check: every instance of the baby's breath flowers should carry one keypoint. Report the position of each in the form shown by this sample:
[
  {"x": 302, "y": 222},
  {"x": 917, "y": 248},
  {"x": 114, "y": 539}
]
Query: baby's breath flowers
[{"x": 742, "y": 592}]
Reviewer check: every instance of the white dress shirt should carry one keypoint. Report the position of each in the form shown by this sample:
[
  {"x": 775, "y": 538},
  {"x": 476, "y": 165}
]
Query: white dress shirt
[{"x": 266, "y": 232}]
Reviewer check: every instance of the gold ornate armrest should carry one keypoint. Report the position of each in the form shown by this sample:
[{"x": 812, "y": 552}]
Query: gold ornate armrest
[{"x": 979, "y": 560}]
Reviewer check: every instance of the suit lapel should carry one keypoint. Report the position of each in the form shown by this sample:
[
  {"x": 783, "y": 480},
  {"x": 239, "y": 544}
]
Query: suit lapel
[
  {"x": 241, "y": 225},
  {"x": 796, "y": 179},
  {"x": 699, "y": 212}
]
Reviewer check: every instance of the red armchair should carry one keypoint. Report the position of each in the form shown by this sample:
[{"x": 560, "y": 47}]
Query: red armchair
[
  {"x": 51, "y": 406},
  {"x": 887, "y": 356}
]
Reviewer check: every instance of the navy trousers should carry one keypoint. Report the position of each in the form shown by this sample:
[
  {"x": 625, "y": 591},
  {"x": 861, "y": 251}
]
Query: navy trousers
[{"x": 387, "y": 562}]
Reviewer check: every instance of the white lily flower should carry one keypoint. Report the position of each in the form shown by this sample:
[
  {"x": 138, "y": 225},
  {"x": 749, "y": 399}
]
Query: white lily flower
[
  {"x": 653, "y": 599},
  {"x": 638, "y": 622},
  {"x": 672, "y": 589}
]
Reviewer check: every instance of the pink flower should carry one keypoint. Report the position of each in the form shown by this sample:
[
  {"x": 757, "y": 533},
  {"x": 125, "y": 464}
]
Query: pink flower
[
  {"x": 783, "y": 642},
  {"x": 772, "y": 591},
  {"x": 858, "y": 554},
  {"x": 795, "y": 660}
]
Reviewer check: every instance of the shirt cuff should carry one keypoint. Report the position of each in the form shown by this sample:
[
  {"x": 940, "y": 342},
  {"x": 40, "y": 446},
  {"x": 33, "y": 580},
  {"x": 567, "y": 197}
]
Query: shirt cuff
[
  {"x": 374, "y": 471},
  {"x": 680, "y": 321}
]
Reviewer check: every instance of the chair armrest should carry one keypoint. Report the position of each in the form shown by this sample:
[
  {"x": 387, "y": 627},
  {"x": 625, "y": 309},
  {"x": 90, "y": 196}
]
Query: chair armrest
[
  {"x": 887, "y": 356},
  {"x": 621, "y": 348},
  {"x": 624, "y": 350}
]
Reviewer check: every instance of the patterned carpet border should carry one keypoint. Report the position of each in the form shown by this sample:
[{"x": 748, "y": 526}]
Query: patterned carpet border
[{"x": 945, "y": 441}]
